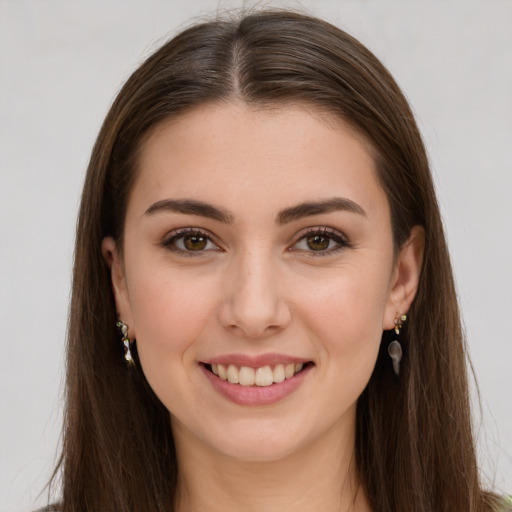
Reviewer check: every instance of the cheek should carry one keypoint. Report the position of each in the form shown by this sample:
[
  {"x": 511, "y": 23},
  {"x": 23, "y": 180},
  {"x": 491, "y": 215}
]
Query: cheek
[
  {"x": 345, "y": 314},
  {"x": 170, "y": 312}
]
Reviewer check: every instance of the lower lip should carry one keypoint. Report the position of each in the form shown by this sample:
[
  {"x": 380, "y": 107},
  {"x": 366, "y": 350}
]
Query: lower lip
[{"x": 256, "y": 395}]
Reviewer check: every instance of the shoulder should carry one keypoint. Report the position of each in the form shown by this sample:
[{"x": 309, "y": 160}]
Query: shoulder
[{"x": 507, "y": 504}]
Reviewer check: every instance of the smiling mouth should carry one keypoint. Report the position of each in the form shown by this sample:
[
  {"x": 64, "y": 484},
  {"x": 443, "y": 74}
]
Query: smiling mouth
[{"x": 262, "y": 377}]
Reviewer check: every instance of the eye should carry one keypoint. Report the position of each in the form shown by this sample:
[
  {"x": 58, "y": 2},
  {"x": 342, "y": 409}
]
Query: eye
[
  {"x": 320, "y": 241},
  {"x": 190, "y": 241}
]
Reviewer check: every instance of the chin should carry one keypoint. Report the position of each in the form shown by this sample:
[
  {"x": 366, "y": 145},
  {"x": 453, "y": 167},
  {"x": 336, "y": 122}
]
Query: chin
[
  {"x": 262, "y": 440},
  {"x": 258, "y": 450},
  {"x": 249, "y": 439}
]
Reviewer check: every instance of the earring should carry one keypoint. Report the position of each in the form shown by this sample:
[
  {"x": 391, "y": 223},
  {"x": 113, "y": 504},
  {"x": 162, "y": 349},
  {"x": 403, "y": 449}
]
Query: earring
[
  {"x": 126, "y": 342},
  {"x": 394, "y": 348}
]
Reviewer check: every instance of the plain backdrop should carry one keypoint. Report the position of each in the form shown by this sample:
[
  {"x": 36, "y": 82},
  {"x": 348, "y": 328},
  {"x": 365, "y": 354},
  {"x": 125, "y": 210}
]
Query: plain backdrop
[{"x": 61, "y": 63}]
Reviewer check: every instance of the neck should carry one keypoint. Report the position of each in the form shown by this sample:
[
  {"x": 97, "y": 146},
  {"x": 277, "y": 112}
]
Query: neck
[{"x": 322, "y": 476}]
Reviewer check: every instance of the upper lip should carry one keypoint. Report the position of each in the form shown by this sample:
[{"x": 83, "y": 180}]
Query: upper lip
[{"x": 255, "y": 361}]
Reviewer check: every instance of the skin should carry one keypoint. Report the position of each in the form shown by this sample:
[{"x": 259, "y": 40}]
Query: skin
[{"x": 257, "y": 287}]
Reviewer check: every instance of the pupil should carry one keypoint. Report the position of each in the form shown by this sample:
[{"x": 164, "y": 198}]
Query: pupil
[
  {"x": 195, "y": 242},
  {"x": 318, "y": 242}
]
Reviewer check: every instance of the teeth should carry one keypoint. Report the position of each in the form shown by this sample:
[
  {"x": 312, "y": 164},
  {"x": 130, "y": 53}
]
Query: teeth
[
  {"x": 233, "y": 374},
  {"x": 223, "y": 374},
  {"x": 279, "y": 375},
  {"x": 264, "y": 376},
  {"x": 247, "y": 376}
]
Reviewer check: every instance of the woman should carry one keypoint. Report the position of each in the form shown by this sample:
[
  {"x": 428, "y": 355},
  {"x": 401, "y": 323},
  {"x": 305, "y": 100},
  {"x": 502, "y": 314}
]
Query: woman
[{"x": 259, "y": 221}]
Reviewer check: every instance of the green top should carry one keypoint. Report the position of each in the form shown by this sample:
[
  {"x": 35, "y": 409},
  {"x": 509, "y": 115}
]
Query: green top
[{"x": 507, "y": 503}]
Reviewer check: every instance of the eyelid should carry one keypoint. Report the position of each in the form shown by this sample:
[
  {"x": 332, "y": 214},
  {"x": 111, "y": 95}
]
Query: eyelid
[
  {"x": 334, "y": 234},
  {"x": 169, "y": 240}
]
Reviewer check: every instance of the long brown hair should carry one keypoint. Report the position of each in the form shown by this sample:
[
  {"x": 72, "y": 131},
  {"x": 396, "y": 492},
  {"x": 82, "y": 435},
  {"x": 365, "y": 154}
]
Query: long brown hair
[{"x": 415, "y": 449}]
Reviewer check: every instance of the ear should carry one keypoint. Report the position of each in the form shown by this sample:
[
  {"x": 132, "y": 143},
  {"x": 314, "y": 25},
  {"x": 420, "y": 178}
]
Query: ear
[
  {"x": 406, "y": 276},
  {"x": 114, "y": 261}
]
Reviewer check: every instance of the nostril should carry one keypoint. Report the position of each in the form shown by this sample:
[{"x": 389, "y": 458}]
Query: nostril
[{"x": 256, "y": 314}]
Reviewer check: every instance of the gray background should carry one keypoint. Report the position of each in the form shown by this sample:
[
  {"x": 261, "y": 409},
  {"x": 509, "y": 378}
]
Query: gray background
[{"x": 61, "y": 63}]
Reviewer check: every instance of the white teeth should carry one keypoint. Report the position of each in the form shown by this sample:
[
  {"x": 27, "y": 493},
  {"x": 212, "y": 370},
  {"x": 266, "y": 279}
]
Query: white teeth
[
  {"x": 264, "y": 376},
  {"x": 233, "y": 374},
  {"x": 247, "y": 376},
  {"x": 279, "y": 373},
  {"x": 222, "y": 372}
]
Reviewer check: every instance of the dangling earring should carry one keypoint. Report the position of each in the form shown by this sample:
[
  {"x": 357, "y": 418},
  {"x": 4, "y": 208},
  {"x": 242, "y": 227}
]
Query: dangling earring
[
  {"x": 394, "y": 348},
  {"x": 126, "y": 342}
]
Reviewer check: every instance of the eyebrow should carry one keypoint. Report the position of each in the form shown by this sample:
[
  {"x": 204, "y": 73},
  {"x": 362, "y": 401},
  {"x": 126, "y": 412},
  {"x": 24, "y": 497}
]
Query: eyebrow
[
  {"x": 190, "y": 207},
  {"x": 317, "y": 208},
  {"x": 306, "y": 209}
]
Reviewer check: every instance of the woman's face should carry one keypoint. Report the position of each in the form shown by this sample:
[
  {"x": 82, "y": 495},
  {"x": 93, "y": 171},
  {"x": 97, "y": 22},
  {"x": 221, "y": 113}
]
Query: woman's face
[{"x": 257, "y": 240}]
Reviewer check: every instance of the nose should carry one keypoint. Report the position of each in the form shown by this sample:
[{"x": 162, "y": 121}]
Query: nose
[{"x": 254, "y": 304}]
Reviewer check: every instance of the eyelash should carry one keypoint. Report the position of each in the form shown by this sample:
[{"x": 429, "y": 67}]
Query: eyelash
[
  {"x": 329, "y": 233},
  {"x": 171, "y": 241},
  {"x": 325, "y": 232}
]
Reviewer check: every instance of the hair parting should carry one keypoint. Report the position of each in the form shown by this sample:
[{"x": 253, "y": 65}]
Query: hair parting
[{"x": 414, "y": 446}]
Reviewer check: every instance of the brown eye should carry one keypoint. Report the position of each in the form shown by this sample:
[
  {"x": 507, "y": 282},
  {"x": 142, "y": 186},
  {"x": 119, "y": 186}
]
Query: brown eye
[
  {"x": 195, "y": 242},
  {"x": 189, "y": 242},
  {"x": 318, "y": 242},
  {"x": 321, "y": 242}
]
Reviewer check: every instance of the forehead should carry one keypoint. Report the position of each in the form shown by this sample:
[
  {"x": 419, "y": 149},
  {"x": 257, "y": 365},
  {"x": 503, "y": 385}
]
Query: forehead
[{"x": 234, "y": 154}]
